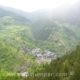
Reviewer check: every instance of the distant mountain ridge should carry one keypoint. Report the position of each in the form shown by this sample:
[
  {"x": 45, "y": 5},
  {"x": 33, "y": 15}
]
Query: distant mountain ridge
[
  {"x": 6, "y": 11},
  {"x": 57, "y": 26}
]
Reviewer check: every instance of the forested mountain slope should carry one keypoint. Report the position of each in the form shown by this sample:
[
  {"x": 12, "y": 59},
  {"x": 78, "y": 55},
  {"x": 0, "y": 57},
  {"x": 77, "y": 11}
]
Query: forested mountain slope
[
  {"x": 15, "y": 34},
  {"x": 57, "y": 30},
  {"x": 20, "y": 32}
]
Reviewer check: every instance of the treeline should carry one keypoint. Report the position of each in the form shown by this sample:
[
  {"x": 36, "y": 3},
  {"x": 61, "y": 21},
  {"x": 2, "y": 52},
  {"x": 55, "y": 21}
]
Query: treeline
[{"x": 64, "y": 68}]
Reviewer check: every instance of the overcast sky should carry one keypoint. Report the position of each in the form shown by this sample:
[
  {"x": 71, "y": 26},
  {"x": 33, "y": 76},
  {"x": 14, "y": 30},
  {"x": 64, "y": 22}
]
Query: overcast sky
[{"x": 32, "y": 5}]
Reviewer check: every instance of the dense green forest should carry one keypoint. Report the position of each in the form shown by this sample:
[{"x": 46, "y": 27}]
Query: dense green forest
[{"x": 63, "y": 68}]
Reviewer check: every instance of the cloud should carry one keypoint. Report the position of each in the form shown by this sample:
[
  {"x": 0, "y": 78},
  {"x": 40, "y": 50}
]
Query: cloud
[{"x": 32, "y": 5}]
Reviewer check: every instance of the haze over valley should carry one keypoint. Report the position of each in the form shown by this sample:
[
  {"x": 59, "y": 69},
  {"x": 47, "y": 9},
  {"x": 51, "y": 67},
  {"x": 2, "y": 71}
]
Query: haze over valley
[{"x": 40, "y": 41}]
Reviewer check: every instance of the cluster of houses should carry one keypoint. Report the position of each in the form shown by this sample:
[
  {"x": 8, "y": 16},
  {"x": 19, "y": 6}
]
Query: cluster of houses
[{"x": 38, "y": 54}]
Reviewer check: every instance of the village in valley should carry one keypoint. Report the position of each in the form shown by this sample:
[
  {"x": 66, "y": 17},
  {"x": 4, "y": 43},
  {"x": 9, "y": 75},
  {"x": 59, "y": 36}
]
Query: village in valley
[{"x": 43, "y": 56}]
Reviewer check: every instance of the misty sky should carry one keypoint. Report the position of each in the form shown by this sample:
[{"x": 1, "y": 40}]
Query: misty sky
[{"x": 32, "y": 5}]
